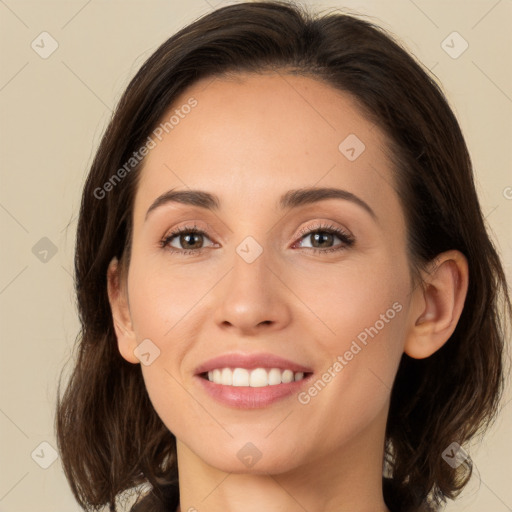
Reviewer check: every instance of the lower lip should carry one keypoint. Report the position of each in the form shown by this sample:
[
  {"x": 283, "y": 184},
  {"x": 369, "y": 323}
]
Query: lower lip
[{"x": 245, "y": 397}]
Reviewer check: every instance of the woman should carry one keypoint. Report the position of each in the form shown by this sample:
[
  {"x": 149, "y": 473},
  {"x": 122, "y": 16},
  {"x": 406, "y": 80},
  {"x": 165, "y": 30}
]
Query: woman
[{"x": 286, "y": 288}]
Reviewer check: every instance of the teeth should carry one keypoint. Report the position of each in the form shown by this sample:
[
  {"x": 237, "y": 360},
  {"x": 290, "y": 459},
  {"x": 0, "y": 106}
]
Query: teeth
[
  {"x": 257, "y": 378},
  {"x": 226, "y": 377},
  {"x": 274, "y": 376},
  {"x": 240, "y": 377},
  {"x": 287, "y": 376}
]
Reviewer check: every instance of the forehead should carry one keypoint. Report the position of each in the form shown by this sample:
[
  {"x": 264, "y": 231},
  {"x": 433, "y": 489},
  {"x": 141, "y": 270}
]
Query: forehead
[{"x": 253, "y": 136}]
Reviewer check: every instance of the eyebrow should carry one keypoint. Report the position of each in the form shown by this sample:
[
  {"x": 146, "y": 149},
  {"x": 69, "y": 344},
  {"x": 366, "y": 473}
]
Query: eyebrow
[{"x": 289, "y": 200}]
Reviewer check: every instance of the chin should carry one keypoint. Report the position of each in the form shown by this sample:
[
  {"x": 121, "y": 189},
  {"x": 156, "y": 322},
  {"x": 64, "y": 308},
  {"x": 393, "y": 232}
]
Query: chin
[{"x": 253, "y": 458}]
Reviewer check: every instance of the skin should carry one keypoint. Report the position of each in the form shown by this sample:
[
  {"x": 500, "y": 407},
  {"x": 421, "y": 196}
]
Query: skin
[{"x": 248, "y": 141}]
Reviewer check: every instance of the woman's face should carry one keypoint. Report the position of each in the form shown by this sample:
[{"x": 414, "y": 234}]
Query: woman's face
[{"x": 280, "y": 282}]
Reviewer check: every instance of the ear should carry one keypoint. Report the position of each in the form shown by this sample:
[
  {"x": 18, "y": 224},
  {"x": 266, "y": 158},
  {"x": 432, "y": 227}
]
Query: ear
[
  {"x": 437, "y": 304},
  {"x": 118, "y": 298}
]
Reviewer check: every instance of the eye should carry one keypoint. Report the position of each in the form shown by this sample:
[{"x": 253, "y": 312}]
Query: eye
[
  {"x": 323, "y": 236},
  {"x": 189, "y": 240},
  {"x": 185, "y": 240}
]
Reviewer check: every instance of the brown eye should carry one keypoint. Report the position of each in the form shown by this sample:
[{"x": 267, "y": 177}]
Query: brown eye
[
  {"x": 185, "y": 240},
  {"x": 322, "y": 239},
  {"x": 190, "y": 240}
]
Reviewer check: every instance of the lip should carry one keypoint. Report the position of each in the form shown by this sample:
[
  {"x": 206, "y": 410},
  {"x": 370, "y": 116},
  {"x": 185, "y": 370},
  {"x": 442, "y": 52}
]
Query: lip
[
  {"x": 246, "y": 397},
  {"x": 250, "y": 362}
]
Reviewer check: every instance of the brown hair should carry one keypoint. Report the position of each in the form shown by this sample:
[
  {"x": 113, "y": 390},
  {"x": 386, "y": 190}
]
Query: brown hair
[{"x": 109, "y": 435}]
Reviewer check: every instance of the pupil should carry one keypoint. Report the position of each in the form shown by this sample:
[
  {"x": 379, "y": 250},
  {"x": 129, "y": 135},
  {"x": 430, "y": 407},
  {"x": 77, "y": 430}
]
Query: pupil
[
  {"x": 187, "y": 238},
  {"x": 323, "y": 236}
]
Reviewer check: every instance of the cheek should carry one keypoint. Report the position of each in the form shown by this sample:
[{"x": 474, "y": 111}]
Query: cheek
[
  {"x": 166, "y": 307},
  {"x": 346, "y": 300},
  {"x": 166, "y": 298},
  {"x": 359, "y": 330}
]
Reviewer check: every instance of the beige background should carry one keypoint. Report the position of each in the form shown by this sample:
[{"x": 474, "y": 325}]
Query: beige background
[{"x": 53, "y": 112}]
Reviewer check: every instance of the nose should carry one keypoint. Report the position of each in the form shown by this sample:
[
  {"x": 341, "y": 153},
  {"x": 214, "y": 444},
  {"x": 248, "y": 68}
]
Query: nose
[{"x": 252, "y": 298}]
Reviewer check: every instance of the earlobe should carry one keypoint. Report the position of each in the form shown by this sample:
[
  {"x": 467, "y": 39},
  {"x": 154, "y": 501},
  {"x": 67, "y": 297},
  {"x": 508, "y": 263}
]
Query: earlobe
[
  {"x": 437, "y": 305},
  {"x": 117, "y": 296}
]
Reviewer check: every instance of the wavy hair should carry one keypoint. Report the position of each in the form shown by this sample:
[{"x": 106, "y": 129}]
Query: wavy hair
[{"x": 109, "y": 436}]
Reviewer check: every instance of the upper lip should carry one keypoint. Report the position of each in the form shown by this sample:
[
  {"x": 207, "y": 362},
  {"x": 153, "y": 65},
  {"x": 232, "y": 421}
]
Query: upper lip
[{"x": 250, "y": 361}]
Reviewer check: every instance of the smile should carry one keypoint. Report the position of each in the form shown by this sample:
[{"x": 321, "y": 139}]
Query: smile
[
  {"x": 256, "y": 378},
  {"x": 251, "y": 380}
]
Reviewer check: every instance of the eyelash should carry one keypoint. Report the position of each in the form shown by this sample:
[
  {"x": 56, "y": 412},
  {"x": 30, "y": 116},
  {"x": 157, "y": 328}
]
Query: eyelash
[{"x": 346, "y": 239}]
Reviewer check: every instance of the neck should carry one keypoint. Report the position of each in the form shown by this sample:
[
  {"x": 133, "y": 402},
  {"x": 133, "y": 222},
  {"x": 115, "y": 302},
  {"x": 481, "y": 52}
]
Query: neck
[{"x": 346, "y": 480}]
